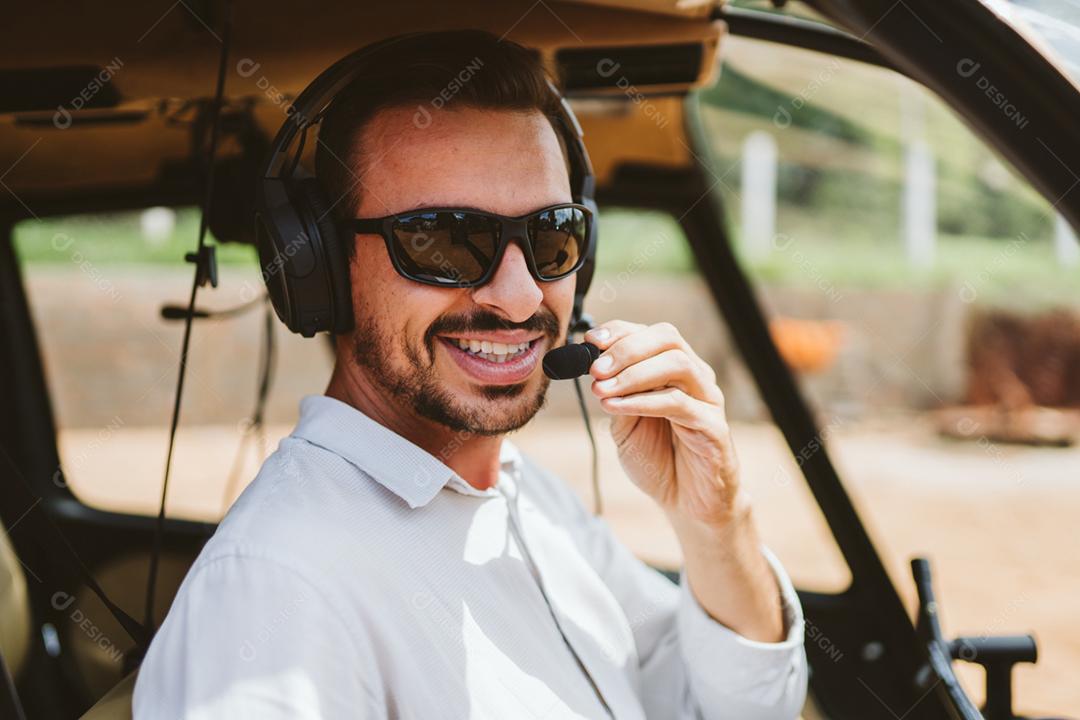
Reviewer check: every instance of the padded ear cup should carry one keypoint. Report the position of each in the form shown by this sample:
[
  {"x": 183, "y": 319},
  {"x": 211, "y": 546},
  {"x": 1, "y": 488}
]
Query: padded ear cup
[
  {"x": 315, "y": 209},
  {"x": 276, "y": 286}
]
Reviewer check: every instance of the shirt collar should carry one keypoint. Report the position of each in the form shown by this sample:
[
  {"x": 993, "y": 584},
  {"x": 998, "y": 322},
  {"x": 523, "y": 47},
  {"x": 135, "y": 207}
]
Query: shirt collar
[{"x": 407, "y": 470}]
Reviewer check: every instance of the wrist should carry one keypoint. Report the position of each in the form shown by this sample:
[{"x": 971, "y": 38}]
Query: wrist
[
  {"x": 731, "y": 549},
  {"x": 730, "y": 577},
  {"x": 722, "y": 528}
]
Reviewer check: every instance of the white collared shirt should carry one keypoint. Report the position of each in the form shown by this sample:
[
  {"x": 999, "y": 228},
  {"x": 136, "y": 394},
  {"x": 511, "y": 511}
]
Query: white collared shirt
[{"x": 359, "y": 577}]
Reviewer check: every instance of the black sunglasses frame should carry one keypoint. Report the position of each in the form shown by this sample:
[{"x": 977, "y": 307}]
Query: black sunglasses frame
[{"x": 508, "y": 229}]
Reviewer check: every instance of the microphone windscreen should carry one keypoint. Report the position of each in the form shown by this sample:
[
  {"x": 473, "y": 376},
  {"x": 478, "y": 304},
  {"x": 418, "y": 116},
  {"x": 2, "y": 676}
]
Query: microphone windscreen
[{"x": 570, "y": 361}]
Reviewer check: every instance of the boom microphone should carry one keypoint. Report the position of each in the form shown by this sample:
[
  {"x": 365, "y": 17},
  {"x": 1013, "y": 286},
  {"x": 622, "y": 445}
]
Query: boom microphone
[{"x": 570, "y": 361}]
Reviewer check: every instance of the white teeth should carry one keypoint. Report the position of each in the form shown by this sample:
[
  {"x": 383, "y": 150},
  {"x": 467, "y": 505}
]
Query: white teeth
[{"x": 496, "y": 352}]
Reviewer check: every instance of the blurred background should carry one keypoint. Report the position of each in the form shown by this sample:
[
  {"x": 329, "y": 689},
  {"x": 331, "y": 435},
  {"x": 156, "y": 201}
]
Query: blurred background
[{"x": 925, "y": 294}]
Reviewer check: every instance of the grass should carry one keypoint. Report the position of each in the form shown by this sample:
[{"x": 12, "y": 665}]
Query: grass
[
  {"x": 819, "y": 251},
  {"x": 630, "y": 239},
  {"x": 1015, "y": 273},
  {"x": 115, "y": 239}
]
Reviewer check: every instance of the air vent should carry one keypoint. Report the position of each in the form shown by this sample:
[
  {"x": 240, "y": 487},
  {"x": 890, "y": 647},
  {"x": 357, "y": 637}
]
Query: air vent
[
  {"x": 638, "y": 65},
  {"x": 74, "y": 87}
]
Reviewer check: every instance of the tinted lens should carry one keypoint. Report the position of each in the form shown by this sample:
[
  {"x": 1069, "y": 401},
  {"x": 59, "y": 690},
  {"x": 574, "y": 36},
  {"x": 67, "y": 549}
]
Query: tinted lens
[
  {"x": 446, "y": 247},
  {"x": 559, "y": 237}
]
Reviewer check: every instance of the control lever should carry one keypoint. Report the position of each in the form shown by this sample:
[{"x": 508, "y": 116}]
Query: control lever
[{"x": 997, "y": 654}]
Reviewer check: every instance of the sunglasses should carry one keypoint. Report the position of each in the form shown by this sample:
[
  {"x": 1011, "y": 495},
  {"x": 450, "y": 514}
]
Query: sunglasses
[{"x": 460, "y": 248}]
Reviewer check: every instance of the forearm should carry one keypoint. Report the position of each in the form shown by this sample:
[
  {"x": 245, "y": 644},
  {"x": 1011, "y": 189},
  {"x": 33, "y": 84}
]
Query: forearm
[
  {"x": 729, "y": 576},
  {"x": 675, "y": 444}
]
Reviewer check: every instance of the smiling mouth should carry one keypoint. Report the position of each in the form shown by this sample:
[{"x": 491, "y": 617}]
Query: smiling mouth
[
  {"x": 496, "y": 352},
  {"x": 489, "y": 362}
]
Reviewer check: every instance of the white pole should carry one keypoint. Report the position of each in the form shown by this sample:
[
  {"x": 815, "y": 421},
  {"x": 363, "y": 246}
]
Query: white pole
[
  {"x": 758, "y": 200},
  {"x": 1066, "y": 247},
  {"x": 920, "y": 207},
  {"x": 920, "y": 201}
]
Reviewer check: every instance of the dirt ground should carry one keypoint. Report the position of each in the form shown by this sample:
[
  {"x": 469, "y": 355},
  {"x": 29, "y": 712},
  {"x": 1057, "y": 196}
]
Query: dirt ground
[{"x": 997, "y": 522}]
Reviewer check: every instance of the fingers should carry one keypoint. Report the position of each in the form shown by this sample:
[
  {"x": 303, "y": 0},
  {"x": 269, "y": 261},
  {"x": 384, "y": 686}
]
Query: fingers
[
  {"x": 665, "y": 357},
  {"x": 607, "y": 334},
  {"x": 670, "y": 403},
  {"x": 671, "y": 368}
]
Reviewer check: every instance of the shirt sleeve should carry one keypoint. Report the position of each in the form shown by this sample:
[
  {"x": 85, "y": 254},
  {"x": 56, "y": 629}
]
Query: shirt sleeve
[
  {"x": 691, "y": 666},
  {"x": 250, "y": 638},
  {"x": 730, "y": 676}
]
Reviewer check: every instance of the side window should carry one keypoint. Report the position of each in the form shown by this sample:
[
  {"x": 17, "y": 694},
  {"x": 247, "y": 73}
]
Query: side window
[
  {"x": 925, "y": 296},
  {"x": 96, "y": 287}
]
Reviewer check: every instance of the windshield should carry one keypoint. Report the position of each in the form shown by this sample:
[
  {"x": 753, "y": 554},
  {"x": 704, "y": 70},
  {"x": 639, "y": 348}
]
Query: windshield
[{"x": 1052, "y": 26}]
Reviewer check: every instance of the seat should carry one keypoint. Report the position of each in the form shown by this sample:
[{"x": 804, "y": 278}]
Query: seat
[
  {"x": 14, "y": 609},
  {"x": 116, "y": 704}
]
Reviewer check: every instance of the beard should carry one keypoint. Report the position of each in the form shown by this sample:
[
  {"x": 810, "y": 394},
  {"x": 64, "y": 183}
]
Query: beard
[{"x": 417, "y": 385}]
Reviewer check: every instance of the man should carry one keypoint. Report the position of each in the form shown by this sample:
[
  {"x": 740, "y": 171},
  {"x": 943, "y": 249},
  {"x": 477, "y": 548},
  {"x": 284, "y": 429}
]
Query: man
[{"x": 396, "y": 556}]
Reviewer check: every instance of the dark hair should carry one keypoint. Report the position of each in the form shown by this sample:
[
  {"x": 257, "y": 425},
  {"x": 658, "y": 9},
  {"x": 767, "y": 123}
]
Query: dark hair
[{"x": 454, "y": 68}]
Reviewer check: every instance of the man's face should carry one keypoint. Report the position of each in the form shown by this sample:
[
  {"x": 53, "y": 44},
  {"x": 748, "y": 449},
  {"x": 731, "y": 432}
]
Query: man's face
[{"x": 409, "y": 336}]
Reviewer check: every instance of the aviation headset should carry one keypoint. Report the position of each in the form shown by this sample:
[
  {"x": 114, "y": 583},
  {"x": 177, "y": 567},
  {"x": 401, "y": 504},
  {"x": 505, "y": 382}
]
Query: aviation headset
[{"x": 301, "y": 249}]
